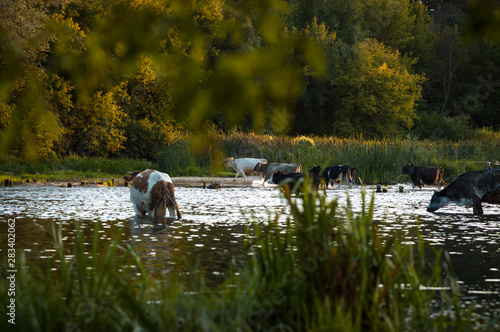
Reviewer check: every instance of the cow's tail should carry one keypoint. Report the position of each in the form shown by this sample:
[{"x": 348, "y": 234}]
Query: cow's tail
[{"x": 170, "y": 196}]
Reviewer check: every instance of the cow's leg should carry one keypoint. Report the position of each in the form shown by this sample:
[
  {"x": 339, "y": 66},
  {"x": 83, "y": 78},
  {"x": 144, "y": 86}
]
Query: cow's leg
[
  {"x": 160, "y": 210},
  {"x": 136, "y": 210},
  {"x": 265, "y": 180},
  {"x": 476, "y": 207},
  {"x": 340, "y": 179}
]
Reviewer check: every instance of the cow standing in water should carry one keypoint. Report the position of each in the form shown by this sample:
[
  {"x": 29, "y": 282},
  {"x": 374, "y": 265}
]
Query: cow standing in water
[
  {"x": 334, "y": 173},
  {"x": 425, "y": 175},
  {"x": 470, "y": 188},
  {"x": 267, "y": 170},
  {"x": 151, "y": 193}
]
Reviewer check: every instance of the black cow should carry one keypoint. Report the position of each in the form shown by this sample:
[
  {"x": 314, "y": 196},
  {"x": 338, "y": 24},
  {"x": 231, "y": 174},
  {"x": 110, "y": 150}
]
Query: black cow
[
  {"x": 425, "y": 175},
  {"x": 315, "y": 173},
  {"x": 286, "y": 179},
  {"x": 470, "y": 188}
]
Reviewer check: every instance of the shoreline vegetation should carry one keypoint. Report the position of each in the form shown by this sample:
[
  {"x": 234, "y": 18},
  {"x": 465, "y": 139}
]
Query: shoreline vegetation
[{"x": 377, "y": 161}]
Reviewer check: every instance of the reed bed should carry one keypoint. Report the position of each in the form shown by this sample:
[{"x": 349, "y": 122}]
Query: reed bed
[
  {"x": 70, "y": 168},
  {"x": 377, "y": 161},
  {"x": 328, "y": 269}
]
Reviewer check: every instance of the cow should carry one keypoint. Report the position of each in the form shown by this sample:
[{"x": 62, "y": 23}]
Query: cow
[
  {"x": 267, "y": 170},
  {"x": 469, "y": 188},
  {"x": 287, "y": 179},
  {"x": 431, "y": 175},
  {"x": 242, "y": 165},
  {"x": 291, "y": 180},
  {"x": 335, "y": 173},
  {"x": 151, "y": 193}
]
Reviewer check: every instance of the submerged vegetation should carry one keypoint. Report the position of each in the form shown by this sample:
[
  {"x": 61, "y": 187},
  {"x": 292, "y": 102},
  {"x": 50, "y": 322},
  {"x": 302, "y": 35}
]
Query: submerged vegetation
[{"x": 328, "y": 269}]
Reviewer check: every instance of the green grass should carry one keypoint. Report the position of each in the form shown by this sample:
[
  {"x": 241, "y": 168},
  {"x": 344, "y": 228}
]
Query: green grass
[
  {"x": 327, "y": 270},
  {"x": 70, "y": 168}
]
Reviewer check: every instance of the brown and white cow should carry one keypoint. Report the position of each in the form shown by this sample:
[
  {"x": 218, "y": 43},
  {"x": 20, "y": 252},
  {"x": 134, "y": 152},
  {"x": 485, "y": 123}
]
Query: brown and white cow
[
  {"x": 267, "y": 170},
  {"x": 151, "y": 193}
]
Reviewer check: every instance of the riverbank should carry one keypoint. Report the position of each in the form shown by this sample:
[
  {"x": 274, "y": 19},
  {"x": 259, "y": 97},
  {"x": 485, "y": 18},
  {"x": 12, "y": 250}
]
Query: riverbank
[{"x": 187, "y": 181}]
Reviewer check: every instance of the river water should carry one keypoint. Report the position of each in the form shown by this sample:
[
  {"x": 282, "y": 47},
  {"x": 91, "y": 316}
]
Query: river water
[{"x": 214, "y": 224}]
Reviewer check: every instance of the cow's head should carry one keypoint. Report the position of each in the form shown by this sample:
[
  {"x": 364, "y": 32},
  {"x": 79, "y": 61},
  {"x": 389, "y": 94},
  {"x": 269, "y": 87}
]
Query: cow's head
[
  {"x": 258, "y": 167},
  {"x": 408, "y": 169},
  {"x": 315, "y": 169},
  {"x": 438, "y": 200},
  {"x": 131, "y": 176},
  {"x": 229, "y": 162}
]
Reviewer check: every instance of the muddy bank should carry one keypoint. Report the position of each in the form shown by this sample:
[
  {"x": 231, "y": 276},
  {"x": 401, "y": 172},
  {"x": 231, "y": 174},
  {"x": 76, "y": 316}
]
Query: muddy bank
[{"x": 194, "y": 181}]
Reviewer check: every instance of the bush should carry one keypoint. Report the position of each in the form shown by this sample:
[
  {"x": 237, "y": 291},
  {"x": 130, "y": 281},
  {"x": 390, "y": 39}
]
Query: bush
[{"x": 176, "y": 158}]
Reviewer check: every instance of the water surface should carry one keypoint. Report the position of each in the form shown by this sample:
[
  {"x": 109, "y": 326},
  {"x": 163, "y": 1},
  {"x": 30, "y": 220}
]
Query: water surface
[{"x": 214, "y": 224}]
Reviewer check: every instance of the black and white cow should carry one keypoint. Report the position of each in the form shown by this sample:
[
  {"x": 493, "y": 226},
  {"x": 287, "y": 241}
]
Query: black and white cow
[{"x": 335, "y": 173}]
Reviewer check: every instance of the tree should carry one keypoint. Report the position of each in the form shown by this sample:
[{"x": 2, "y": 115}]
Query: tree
[{"x": 377, "y": 93}]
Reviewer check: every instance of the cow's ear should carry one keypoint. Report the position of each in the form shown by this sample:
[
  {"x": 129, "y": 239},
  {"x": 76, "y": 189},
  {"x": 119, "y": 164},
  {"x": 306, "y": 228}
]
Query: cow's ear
[{"x": 132, "y": 176}]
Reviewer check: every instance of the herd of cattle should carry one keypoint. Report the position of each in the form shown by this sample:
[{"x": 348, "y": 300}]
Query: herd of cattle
[{"x": 152, "y": 192}]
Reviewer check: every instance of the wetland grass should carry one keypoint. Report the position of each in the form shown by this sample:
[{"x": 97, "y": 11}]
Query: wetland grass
[
  {"x": 328, "y": 269},
  {"x": 377, "y": 161}
]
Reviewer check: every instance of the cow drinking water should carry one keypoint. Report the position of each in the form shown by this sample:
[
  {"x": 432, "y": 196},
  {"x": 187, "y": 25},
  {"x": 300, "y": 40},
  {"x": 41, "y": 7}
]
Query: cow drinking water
[
  {"x": 151, "y": 193},
  {"x": 470, "y": 188}
]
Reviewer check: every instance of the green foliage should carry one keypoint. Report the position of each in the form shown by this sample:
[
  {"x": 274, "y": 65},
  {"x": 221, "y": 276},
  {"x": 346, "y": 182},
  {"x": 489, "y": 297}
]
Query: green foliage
[
  {"x": 327, "y": 271},
  {"x": 378, "y": 94},
  {"x": 176, "y": 158},
  {"x": 77, "y": 77}
]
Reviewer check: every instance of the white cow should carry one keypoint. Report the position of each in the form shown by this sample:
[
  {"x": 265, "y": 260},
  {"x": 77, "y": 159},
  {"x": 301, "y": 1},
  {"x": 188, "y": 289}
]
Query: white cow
[
  {"x": 151, "y": 193},
  {"x": 242, "y": 165}
]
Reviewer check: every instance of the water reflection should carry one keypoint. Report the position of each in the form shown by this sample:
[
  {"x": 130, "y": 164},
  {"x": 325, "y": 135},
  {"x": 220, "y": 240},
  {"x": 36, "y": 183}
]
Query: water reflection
[{"x": 214, "y": 225}]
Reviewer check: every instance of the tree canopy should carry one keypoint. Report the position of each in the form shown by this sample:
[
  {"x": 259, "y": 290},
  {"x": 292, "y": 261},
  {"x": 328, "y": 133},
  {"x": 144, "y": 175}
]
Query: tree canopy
[{"x": 116, "y": 77}]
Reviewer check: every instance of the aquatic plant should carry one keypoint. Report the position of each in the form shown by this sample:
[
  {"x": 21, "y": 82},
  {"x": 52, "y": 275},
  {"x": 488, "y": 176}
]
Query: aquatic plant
[{"x": 331, "y": 270}]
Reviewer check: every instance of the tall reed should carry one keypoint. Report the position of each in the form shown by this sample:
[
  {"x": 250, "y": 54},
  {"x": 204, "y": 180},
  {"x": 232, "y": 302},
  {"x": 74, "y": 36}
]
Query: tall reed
[{"x": 377, "y": 161}]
